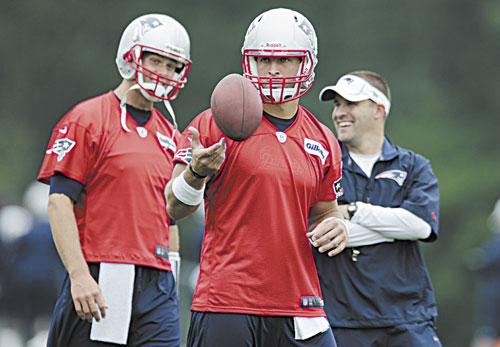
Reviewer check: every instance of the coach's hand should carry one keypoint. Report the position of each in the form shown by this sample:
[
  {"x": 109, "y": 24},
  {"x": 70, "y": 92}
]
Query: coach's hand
[
  {"x": 329, "y": 235},
  {"x": 206, "y": 161},
  {"x": 87, "y": 297}
]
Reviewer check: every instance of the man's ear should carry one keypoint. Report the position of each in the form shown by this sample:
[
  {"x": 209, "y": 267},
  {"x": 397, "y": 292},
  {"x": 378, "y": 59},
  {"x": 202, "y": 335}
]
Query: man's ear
[{"x": 380, "y": 111}]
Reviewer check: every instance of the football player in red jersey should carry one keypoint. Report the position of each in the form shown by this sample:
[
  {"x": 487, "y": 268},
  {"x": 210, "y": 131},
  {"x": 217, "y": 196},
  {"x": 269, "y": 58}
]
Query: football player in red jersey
[
  {"x": 266, "y": 199},
  {"x": 108, "y": 162}
]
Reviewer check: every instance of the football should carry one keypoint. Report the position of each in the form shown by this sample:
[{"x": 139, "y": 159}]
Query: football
[{"x": 236, "y": 107}]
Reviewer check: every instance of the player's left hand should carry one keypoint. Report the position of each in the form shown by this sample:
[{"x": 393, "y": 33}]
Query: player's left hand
[{"x": 329, "y": 236}]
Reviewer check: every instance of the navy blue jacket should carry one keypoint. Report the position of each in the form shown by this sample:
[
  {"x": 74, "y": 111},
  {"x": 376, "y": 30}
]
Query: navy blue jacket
[{"x": 389, "y": 284}]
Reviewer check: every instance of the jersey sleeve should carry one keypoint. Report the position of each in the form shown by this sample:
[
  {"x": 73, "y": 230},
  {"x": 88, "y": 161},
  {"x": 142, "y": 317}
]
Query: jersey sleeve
[
  {"x": 69, "y": 151},
  {"x": 331, "y": 187},
  {"x": 422, "y": 197}
]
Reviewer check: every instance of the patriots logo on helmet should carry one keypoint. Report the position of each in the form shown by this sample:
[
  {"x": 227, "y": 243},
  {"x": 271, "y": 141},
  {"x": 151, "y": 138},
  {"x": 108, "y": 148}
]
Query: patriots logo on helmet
[
  {"x": 307, "y": 28},
  {"x": 396, "y": 175},
  {"x": 149, "y": 23},
  {"x": 61, "y": 147},
  {"x": 250, "y": 29}
]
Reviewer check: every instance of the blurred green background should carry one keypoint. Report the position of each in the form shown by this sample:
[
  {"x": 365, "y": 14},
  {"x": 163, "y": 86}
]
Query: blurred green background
[{"x": 440, "y": 58}]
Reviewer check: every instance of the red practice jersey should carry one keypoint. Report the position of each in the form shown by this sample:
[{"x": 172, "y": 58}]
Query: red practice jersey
[
  {"x": 256, "y": 258},
  {"x": 121, "y": 214}
]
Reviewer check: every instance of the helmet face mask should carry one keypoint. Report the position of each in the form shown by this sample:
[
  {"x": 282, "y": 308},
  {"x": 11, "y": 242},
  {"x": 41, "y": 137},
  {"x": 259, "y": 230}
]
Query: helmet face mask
[
  {"x": 159, "y": 87},
  {"x": 280, "y": 33},
  {"x": 279, "y": 89},
  {"x": 161, "y": 35}
]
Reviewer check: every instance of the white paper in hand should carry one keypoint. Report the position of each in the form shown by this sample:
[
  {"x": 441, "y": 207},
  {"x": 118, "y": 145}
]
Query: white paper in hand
[{"x": 117, "y": 285}]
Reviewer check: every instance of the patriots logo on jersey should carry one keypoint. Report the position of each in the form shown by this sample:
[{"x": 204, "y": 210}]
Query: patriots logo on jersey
[
  {"x": 315, "y": 148},
  {"x": 185, "y": 155},
  {"x": 337, "y": 188},
  {"x": 61, "y": 147},
  {"x": 396, "y": 175},
  {"x": 149, "y": 23}
]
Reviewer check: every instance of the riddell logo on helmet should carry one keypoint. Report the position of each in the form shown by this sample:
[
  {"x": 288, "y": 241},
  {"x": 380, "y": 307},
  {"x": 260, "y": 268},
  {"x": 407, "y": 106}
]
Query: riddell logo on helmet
[
  {"x": 273, "y": 44},
  {"x": 173, "y": 49}
]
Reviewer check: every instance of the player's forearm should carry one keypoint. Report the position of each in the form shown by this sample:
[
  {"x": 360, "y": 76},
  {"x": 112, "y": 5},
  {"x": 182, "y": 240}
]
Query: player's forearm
[
  {"x": 361, "y": 236},
  {"x": 321, "y": 211},
  {"x": 65, "y": 234},
  {"x": 175, "y": 207},
  {"x": 394, "y": 223}
]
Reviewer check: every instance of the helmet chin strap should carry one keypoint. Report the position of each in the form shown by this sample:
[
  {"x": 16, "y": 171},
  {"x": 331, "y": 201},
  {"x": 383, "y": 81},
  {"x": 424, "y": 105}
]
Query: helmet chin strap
[
  {"x": 123, "y": 106},
  {"x": 155, "y": 88},
  {"x": 149, "y": 96},
  {"x": 276, "y": 93},
  {"x": 160, "y": 90},
  {"x": 170, "y": 110}
]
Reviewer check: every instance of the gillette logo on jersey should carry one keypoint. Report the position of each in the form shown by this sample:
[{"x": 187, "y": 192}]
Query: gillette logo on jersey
[{"x": 315, "y": 148}]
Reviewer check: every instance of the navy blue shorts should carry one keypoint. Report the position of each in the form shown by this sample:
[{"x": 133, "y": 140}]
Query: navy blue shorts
[
  {"x": 155, "y": 313},
  {"x": 421, "y": 334},
  {"x": 209, "y": 329}
]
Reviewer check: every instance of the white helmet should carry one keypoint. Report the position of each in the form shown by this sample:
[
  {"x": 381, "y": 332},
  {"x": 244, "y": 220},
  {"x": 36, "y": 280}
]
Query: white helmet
[
  {"x": 280, "y": 33},
  {"x": 162, "y": 35}
]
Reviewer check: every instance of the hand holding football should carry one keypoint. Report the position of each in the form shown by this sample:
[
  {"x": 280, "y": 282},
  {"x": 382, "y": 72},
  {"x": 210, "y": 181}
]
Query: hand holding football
[{"x": 236, "y": 107}]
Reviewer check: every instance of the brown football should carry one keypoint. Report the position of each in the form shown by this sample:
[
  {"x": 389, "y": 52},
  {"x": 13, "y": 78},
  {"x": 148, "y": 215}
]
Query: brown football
[{"x": 236, "y": 107}]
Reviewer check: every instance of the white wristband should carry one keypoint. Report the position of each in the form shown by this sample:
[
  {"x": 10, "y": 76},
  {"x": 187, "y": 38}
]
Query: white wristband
[{"x": 185, "y": 193}]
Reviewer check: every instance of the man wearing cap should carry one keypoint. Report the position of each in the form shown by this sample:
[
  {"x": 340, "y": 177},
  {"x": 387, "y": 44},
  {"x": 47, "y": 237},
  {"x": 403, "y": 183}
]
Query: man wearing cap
[{"x": 377, "y": 292}]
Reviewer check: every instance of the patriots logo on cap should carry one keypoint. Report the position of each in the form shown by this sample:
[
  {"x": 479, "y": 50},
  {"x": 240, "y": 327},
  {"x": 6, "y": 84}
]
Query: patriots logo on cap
[
  {"x": 149, "y": 23},
  {"x": 61, "y": 147},
  {"x": 348, "y": 80},
  {"x": 396, "y": 175}
]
